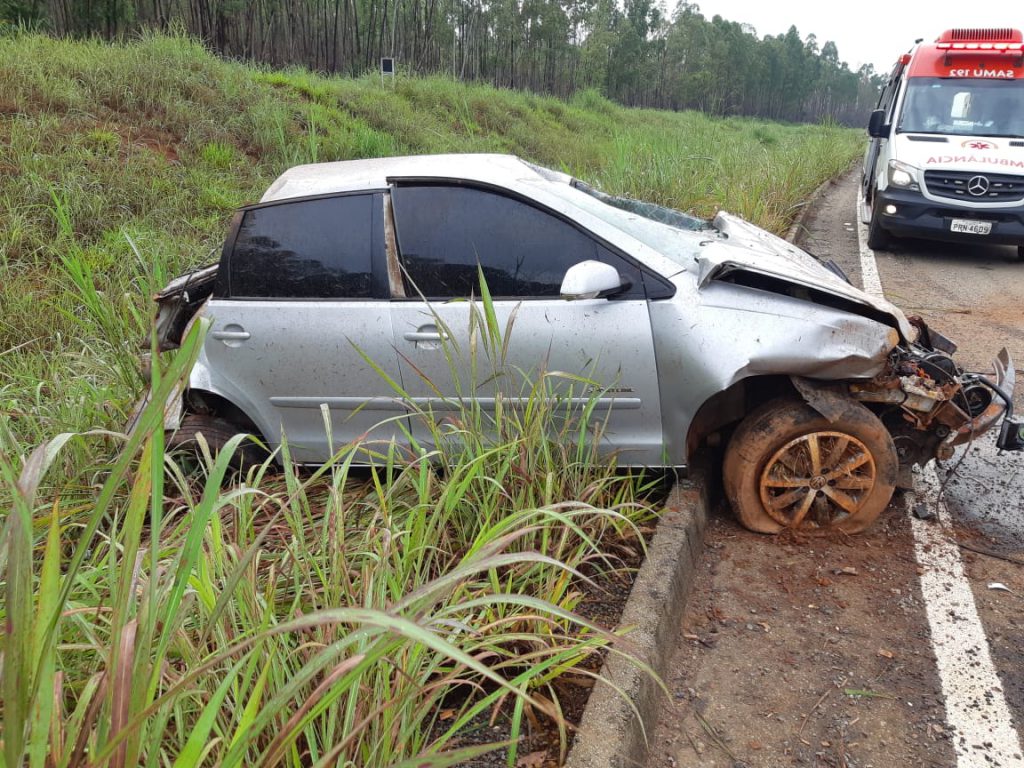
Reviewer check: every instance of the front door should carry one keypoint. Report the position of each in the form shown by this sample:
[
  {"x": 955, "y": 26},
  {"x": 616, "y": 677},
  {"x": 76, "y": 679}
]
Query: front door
[{"x": 448, "y": 348}]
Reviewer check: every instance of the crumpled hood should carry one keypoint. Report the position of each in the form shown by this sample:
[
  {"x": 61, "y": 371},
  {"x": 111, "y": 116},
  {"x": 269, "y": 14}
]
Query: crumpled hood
[
  {"x": 749, "y": 248},
  {"x": 959, "y": 153}
]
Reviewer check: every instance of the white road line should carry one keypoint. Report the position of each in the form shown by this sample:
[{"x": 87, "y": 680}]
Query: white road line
[
  {"x": 869, "y": 278},
  {"x": 975, "y": 705}
]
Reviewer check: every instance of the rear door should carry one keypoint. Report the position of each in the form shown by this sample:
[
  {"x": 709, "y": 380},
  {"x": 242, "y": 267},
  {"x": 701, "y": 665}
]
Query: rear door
[
  {"x": 446, "y": 234},
  {"x": 305, "y": 290}
]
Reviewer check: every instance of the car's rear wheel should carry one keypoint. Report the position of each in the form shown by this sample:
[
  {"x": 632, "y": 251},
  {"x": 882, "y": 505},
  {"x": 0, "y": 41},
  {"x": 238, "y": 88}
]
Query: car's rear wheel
[
  {"x": 1020, "y": 253},
  {"x": 217, "y": 432},
  {"x": 787, "y": 466},
  {"x": 878, "y": 237}
]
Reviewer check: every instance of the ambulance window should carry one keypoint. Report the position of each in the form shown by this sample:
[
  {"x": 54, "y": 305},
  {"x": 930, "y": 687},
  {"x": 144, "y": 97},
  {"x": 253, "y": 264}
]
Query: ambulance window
[{"x": 886, "y": 98}]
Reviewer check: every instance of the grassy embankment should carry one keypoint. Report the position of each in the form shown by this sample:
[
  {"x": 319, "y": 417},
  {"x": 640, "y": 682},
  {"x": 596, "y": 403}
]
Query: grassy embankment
[{"x": 297, "y": 618}]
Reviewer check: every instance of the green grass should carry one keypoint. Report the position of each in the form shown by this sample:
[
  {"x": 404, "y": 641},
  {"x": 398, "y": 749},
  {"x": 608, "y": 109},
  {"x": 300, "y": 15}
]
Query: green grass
[
  {"x": 310, "y": 619},
  {"x": 158, "y": 623}
]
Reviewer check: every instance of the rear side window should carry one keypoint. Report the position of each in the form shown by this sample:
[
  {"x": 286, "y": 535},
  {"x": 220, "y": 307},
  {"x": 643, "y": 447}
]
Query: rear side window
[
  {"x": 323, "y": 248},
  {"x": 444, "y": 232}
]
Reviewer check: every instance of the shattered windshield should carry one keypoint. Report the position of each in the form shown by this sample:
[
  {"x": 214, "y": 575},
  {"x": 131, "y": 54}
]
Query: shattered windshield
[
  {"x": 958, "y": 106},
  {"x": 671, "y": 233},
  {"x": 652, "y": 211}
]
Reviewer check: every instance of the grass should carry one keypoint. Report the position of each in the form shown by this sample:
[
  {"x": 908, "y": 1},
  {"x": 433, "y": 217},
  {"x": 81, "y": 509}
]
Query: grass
[
  {"x": 292, "y": 618},
  {"x": 321, "y": 619}
]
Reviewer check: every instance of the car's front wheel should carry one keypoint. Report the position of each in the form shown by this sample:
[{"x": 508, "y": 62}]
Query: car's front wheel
[{"x": 787, "y": 466}]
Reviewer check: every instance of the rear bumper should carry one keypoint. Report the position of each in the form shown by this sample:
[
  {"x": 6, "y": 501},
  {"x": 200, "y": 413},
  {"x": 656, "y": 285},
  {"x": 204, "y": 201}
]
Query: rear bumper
[{"x": 918, "y": 217}]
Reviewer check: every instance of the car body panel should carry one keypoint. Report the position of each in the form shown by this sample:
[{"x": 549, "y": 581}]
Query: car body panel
[
  {"x": 751, "y": 248},
  {"x": 739, "y": 333},
  {"x": 300, "y": 356},
  {"x": 570, "y": 340}
]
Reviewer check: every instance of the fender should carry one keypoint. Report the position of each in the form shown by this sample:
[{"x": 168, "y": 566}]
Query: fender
[
  {"x": 174, "y": 408},
  {"x": 826, "y": 397}
]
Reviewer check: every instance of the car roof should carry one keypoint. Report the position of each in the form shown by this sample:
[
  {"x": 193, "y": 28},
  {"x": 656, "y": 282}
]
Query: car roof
[{"x": 354, "y": 175}]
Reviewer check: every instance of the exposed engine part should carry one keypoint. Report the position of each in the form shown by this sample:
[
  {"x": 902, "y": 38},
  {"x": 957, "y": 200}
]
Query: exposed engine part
[
  {"x": 976, "y": 398},
  {"x": 935, "y": 401},
  {"x": 912, "y": 445},
  {"x": 919, "y": 395},
  {"x": 923, "y": 383}
]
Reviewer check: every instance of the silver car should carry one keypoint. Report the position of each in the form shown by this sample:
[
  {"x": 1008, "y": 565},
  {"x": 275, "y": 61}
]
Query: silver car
[{"x": 702, "y": 334}]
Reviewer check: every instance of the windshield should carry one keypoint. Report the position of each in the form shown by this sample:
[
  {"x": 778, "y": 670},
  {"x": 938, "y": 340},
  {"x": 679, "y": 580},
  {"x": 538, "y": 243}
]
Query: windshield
[
  {"x": 669, "y": 232},
  {"x": 652, "y": 211},
  {"x": 959, "y": 106}
]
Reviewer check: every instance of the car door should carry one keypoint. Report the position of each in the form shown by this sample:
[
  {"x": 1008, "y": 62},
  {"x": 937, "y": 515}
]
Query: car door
[
  {"x": 446, "y": 235},
  {"x": 304, "y": 298}
]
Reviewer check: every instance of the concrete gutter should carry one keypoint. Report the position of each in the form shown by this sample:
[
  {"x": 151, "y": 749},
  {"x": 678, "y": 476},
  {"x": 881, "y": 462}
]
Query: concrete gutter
[
  {"x": 623, "y": 708},
  {"x": 806, "y": 206}
]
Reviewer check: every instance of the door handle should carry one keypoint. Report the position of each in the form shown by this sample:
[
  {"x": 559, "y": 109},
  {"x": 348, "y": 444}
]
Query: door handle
[
  {"x": 230, "y": 335},
  {"x": 426, "y": 336}
]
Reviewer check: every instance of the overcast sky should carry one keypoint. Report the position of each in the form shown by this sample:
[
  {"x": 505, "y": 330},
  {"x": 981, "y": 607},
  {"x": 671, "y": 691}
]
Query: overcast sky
[{"x": 866, "y": 31}]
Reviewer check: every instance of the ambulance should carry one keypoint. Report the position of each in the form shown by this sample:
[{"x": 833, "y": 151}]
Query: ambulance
[{"x": 945, "y": 159}]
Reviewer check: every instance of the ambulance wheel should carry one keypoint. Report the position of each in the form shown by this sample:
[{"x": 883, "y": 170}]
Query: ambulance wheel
[{"x": 878, "y": 238}]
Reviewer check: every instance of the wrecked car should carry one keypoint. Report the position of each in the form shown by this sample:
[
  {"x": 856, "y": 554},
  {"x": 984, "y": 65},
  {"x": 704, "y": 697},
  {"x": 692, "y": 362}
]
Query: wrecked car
[{"x": 702, "y": 334}]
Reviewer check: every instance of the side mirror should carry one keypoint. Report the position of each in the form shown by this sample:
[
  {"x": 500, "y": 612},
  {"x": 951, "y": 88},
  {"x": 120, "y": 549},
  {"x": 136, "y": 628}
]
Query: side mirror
[
  {"x": 877, "y": 129},
  {"x": 592, "y": 280}
]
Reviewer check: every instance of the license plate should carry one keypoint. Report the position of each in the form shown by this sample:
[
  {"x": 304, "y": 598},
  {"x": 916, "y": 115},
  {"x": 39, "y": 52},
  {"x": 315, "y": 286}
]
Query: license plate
[{"x": 970, "y": 226}]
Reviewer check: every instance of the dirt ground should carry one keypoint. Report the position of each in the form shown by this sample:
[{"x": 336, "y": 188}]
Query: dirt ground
[{"x": 804, "y": 652}]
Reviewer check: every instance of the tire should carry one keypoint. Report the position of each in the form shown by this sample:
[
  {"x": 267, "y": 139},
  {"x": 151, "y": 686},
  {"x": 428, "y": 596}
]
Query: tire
[
  {"x": 770, "y": 480},
  {"x": 217, "y": 432},
  {"x": 878, "y": 238},
  {"x": 1020, "y": 253}
]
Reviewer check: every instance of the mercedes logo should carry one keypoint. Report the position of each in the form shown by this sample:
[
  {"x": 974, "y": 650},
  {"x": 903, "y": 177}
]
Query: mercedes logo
[{"x": 977, "y": 186}]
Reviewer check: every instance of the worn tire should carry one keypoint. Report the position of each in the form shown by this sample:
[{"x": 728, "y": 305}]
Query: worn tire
[
  {"x": 217, "y": 432},
  {"x": 878, "y": 237},
  {"x": 779, "y": 434}
]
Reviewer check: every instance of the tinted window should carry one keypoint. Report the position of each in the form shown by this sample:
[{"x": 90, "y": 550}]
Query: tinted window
[
  {"x": 444, "y": 232},
  {"x": 322, "y": 248}
]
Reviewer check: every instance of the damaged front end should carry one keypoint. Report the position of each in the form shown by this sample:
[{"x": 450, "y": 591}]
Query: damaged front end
[
  {"x": 931, "y": 405},
  {"x": 927, "y": 401}
]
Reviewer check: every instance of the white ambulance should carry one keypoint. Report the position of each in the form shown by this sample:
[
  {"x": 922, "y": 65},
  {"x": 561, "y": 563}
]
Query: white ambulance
[{"x": 946, "y": 155}]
